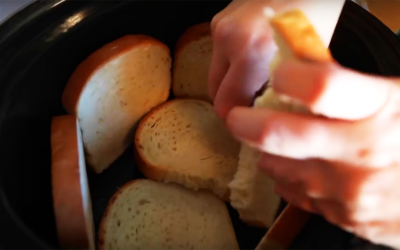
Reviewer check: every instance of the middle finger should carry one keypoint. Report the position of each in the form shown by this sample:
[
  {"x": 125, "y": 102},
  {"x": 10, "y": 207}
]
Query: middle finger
[
  {"x": 300, "y": 136},
  {"x": 243, "y": 79}
]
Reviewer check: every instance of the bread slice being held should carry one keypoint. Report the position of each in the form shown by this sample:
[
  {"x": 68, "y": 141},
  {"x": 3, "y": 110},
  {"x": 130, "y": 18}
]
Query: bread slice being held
[
  {"x": 145, "y": 214},
  {"x": 111, "y": 91},
  {"x": 72, "y": 205},
  {"x": 193, "y": 54},
  {"x": 251, "y": 191},
  {"x": 183, "y": 141}
]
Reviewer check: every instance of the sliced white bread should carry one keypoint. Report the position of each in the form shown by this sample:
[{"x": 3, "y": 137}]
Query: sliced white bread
[
  {"x": 183, "y": 141},
  {"x": 251, "y": 191},
  {"x": 111, "y": 91},
  {"x": 192, "y": 62},
  {"x": 145, "y": 214},
  {"x": 72, "y": 205}
]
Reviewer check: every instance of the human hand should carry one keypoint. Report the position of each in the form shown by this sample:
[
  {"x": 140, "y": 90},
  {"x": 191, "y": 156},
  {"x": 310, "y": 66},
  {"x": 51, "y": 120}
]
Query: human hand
[
  {"x": 244, "y": 46},
  {"x": 347, "y": 168}
]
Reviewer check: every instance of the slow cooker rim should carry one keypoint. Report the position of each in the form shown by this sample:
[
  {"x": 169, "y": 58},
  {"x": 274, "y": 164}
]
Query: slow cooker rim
[{"x": 27, "y": 14}]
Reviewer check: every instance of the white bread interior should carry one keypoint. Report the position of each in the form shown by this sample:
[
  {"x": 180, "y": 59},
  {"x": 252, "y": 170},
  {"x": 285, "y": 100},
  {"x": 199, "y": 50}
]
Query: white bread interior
[
  {"x": 192, "y": 63},
  {"x": 72, "y": 204},
  {"x": 121, "y": 84},
  {"x": 145, "y": 214},
  {"x": 252, "y": 191},
  {"x": 183, "y": 141}
]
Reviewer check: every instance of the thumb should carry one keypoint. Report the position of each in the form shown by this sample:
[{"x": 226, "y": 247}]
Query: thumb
[{"x": 331, "y": 90}]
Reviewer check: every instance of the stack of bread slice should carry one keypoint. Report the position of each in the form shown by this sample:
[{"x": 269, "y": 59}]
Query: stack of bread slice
[
  {"x": 183, "y": 141},
  {"x": 189, "y": 158},
  {"x": 192, "y": 163},
  {"x": 108, "y": 95}
]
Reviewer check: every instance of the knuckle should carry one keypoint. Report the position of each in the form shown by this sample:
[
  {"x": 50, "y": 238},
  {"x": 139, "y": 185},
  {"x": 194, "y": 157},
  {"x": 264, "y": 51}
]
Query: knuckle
[
  {"x": 256, "y": 50},
  {"x": 245, "y": 34},
  {"x": 262, "y": 44},
  {"x": 214, "y": 22},
  {"x": 223, "y": 29}
]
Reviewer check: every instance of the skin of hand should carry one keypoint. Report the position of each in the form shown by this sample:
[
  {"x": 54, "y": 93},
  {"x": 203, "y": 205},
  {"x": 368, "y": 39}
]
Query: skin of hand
[
  {"x": 347, "y": 167},
  {"x": 243, "y": 46}
]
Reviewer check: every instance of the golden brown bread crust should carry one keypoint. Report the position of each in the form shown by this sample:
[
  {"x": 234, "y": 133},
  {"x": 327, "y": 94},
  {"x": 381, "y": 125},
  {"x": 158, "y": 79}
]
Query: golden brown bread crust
[
  {"x": 102, "y": 230},
  {"x": 67, "y": 190},
  {"x": 97, "y": 59},
  {"x": 148, "y": 170},
  {"x": 196, "y": 39},
  {"x": 193, "y": 33},
  {"x": 295, "y": 28}
]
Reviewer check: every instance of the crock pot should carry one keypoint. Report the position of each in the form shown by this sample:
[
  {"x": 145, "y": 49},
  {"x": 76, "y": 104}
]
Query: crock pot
[{"x": 43, "y": 43}]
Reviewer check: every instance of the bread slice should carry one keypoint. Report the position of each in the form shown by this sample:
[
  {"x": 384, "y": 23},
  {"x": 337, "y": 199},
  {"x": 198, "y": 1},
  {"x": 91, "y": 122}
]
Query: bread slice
[
  {"x": 111, "y": 91},
  {"x": 192, "y": 62},
  {"x": 145, "y": 214},
  {"x": 72, "y": 205},
  {"x": 183, "y": 141},
  {"x": 251, "y": 191}
]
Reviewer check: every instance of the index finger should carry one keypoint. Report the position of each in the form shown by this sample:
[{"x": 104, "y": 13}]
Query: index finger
[
  {"x": 332, "y": 91},
  {"x": 243, "y": 79}
]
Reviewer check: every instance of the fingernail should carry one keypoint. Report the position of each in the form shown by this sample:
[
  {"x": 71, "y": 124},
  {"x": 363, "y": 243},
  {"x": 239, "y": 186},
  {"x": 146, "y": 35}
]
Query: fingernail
[{"x": 246, "y": 124}]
